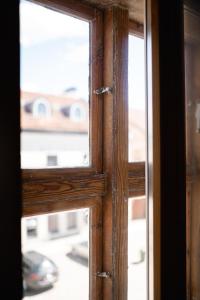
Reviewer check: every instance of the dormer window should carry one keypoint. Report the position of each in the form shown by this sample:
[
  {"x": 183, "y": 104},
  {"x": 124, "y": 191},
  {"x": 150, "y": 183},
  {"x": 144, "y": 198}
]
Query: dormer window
[
  {"x": 41, "y": 108},
  {"x": 77, "y": 112}
]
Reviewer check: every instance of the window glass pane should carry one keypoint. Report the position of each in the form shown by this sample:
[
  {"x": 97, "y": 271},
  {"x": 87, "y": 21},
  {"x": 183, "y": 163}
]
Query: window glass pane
[
  {"x": 137, "y": 256},
  {"x": 192, "y": 109},
  {"x": 136, "y": 96},
  {"x": 56, "y": 256},
  {"x": 54, "y": 88}
]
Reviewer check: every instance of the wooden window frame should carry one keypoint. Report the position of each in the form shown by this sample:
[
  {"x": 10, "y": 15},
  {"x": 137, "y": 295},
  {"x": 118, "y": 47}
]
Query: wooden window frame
[
  {"x": 99, "y": 187},
  {"x": 165, "y": 173}
]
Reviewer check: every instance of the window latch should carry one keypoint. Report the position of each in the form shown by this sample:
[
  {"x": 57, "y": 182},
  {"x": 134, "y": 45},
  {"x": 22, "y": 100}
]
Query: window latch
[
  {"x": 104, "y": 274},
  {"x": 103, "y": 90}
]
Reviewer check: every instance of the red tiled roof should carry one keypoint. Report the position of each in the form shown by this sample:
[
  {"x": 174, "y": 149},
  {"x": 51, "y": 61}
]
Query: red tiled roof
[{"x": 56, "y": 121}]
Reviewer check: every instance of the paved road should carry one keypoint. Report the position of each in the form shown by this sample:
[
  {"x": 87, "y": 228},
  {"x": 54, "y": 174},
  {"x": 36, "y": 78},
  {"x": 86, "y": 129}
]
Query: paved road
[{"x": 73, "y": 281}]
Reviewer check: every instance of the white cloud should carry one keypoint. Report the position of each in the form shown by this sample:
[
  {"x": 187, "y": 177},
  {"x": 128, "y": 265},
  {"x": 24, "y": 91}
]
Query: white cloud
[
  {"x": 29, "y": 86},
  {"x": 39, "y": 24},
  {"x": 78, "y": 54}
]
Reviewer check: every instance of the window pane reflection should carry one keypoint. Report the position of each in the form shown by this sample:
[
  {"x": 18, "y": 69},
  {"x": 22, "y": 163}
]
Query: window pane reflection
[
  {"x": 56, "y": 256},
  {"x": 54, "y": 88},
  {"x": 137, "y": 261},
  {"x": 136, "y": 102}
]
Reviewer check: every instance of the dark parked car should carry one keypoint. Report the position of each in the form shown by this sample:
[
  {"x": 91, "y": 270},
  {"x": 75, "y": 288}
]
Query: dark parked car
[{"x": 39, "y": 271}]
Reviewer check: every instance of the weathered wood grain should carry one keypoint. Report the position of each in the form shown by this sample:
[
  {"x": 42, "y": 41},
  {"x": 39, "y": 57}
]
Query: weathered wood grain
[
  {"x": 136, "y": 179},
  {"x": 71, "y": 7},
  {"x": 115, "y": 152},
  {"x": 63, "y": 188},
  {"x": 136, "y": 28},
  {"x": 96, "y": 101}
]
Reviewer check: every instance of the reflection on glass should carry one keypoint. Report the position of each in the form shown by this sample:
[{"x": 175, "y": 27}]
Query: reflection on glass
[
  {"x": 192, "y": 105},
  {"x": 136, "y": 96},
  {"x": 54, "y": 88},
  {"x": 56, "y": 256},
  {"x": 137, "y": 261}
]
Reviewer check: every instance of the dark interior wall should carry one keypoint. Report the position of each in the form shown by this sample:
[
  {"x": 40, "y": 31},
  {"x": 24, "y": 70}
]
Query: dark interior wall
[
  {"x": 172, "y": 126},
  {"x": 10, "y": 248}
]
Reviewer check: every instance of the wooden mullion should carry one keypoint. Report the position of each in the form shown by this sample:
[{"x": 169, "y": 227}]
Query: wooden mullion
[
  {"x": 96, "y": 250},
  {"x": 96, "y": 101},
  {"x": 115, "y": 159}
]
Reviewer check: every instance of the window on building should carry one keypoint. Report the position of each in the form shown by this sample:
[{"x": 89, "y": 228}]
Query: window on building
[
  {"x": 31, "y": 227},
  {"x": 77, "y": 113},
  {"x": 53, "y": 225},
  {"x": 52, "y": 160},
  {"x": 71, "y": 219},
  {"x": 41, "y": 109}
]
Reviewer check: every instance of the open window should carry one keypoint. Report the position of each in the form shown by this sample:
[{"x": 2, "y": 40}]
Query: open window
[
  {"x": 84, "y": 153},
  {"x": 70, "y": 159}
]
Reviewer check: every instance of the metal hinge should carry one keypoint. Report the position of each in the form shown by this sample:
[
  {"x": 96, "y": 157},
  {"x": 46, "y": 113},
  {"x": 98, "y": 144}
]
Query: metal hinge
[
  {"x": 104, "y": 274},
  {"x": 103, "y": 90}
]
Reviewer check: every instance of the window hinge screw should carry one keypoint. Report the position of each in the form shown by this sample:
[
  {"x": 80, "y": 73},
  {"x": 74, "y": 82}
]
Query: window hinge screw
[
  {"x": 104, "y": 274},
  {"x": 103, "y": 90}
]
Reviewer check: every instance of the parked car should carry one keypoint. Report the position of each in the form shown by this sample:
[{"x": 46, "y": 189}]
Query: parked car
[
  {"x": 81, "y": 249},
  {"x": 38, "y": 271}
]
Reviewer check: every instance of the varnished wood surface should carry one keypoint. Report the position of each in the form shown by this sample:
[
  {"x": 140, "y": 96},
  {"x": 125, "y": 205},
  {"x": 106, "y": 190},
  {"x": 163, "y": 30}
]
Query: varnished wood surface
[
  {"x": 136, "y": 7},
  {"x": 192, "y": 84},
  {"x": 63, "y": 188},
  {"x": 47, "y": 206},
  {"x": 136, "y": 179},
  {"x": 95, "y": 250},
  {"x": 115, "y": 153},
  {"x": 44, "y": 187},
  {"x": 96, "y": 101},
  {"x": 85, "y": 8},
  {"x": 72, "y": 7},
  {"x": 136, "y": 28}
]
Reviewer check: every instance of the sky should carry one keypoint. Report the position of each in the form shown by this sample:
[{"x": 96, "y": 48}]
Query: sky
[{"x": 55, "y": 55}]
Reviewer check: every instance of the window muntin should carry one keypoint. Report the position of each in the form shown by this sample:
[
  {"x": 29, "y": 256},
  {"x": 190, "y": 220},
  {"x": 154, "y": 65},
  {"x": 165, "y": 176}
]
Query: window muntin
[{"x": 54, "y": 87}]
